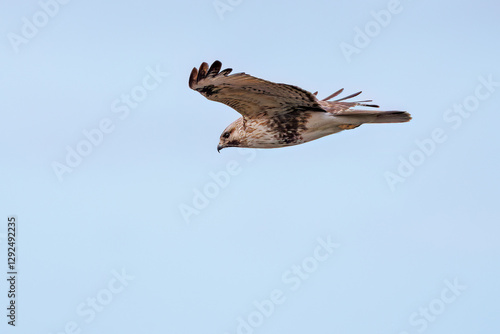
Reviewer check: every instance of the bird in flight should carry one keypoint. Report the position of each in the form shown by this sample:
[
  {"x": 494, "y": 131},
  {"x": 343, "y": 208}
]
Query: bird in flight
[{"x": 278, "y": 115}]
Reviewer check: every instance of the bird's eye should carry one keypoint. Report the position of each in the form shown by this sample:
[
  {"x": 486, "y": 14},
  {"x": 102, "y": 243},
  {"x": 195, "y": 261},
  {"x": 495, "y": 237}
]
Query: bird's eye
[{"x": 225, "y": 135}]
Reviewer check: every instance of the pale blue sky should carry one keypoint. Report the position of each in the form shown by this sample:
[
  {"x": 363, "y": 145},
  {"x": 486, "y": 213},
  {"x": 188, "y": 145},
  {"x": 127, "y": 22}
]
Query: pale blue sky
[{"x": 106, "y": 247}]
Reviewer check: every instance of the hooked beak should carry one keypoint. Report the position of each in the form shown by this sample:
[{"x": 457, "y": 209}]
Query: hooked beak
[{"x": 219, "y": 147}]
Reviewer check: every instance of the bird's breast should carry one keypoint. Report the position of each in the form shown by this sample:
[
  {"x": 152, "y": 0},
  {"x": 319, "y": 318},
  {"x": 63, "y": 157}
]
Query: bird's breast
[{"x": 289, "y": 129}]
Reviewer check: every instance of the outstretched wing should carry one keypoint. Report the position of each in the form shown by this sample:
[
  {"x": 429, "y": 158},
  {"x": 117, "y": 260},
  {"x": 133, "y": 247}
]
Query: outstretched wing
[{"x": 248, "y": 95}]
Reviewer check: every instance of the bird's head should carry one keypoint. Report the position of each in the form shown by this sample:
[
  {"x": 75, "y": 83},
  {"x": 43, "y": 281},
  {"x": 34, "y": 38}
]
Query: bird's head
[{"x": 233, "y": 136}]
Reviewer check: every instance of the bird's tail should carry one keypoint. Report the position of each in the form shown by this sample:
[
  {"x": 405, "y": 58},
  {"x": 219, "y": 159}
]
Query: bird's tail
[
  {"x": 387, "y": 116},
  {"x": 345, "y": 109}
]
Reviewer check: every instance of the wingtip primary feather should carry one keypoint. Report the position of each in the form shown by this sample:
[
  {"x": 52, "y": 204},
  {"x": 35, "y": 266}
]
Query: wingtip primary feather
[
  {"x": 333, "y": 95},
  {"x": 202, "y": 72},
  {"x": 205, "y": 72},
  {"x": 214, "y": 69},
  {"x": 368, "y": 105},
  {"x": 192, "y": 77},
  {"x": 349, "y": 96},
  {"x": 226, "y": 71}
]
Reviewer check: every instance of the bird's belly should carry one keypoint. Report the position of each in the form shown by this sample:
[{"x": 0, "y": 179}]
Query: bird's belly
[{"x": 320, "y": 125}]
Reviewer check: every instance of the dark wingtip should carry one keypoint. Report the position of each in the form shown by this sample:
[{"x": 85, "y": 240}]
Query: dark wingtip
[
  {"x": 214, "y": 69},
  {"x": 202, "y": 72},
  {"x": 205, "y": 72},
  {"x": 192, "y": 77},
  {"x": 226, "y": 71}
]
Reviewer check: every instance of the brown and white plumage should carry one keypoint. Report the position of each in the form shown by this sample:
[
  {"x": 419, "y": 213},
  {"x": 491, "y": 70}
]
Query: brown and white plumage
[{"x": 277, "y": 115}]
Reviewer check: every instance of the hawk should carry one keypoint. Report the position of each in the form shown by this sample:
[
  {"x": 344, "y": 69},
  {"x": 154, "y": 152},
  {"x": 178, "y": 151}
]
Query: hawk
[{"x": 278, "y": 115}]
